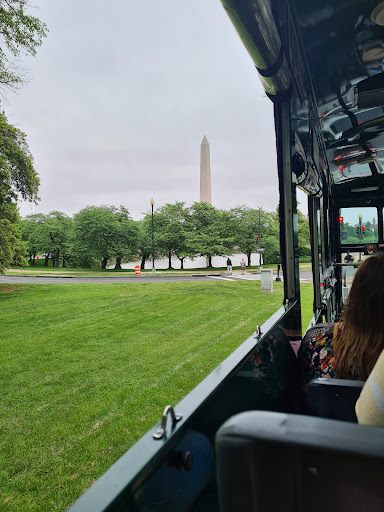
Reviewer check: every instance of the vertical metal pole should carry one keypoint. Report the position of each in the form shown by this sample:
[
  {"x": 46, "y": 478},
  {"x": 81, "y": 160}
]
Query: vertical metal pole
[
  {"x": 288, "y": 217},
  {"x": 260, "y": 267},
  {"x": 289, "y": 213},
  {"x": 278, "y": 278},
  {"x": 153, "y": 245},
  {"x": 360, "y": 224},
  {"x": 313, "y": 209}
]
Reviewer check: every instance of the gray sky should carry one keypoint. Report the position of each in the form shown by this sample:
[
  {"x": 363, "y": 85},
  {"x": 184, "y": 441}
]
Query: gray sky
[{"x": 121, "y": 95}]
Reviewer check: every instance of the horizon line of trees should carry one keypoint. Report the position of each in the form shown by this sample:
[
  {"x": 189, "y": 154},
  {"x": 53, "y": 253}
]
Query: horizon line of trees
[
  {"x": 98, "y": 234},
  {"x": 349, "y": 233},
  {"x": 21, "y": 33},
  {"x": 101, "y": 233}
]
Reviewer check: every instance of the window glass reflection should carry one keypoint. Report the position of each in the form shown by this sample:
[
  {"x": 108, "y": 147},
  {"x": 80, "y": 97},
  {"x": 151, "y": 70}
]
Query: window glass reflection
[{"x": 358, "y": 225}]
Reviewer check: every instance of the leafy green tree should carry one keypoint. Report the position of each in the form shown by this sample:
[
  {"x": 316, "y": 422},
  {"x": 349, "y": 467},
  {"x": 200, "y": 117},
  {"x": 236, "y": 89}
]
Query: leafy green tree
[
  {"x": 145, "y": 239},
  {"x": 103, "y": 233},
  {"x": 170, "y": 225},
  {"x": 17, "y": 173},
  {"x": 49, "y": 234},
  {"x": 249, "y": 223},
  {"x": 12, "y": 249},
  {"x": 207, "y": 232},
  {"x": 19, "y": 257},
  {"x": 17, "y": 178},
  {"x": 32, "y": 228},
  {"x": 350, "y": 234},
  {"x": 58, "y": 228},
  {"x": 242, "y": 222},
  {"x": 368, "y": 234},
  {"x": 271, "y": 245},
  {"x": 304, "y": 239},
  {"x": 20, "y": 32},
  {"x": 227, "y": 225},
  {"x": 126, "y": 240},
  {"x": 93, "y": 234}
]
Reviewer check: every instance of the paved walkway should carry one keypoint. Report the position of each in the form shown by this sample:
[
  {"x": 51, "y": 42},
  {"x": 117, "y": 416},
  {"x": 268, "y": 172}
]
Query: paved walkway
[{"x": 305, "y": 275}]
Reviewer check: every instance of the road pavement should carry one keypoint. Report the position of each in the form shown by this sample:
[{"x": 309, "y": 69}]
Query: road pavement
[{"x": 305, "y": 275}]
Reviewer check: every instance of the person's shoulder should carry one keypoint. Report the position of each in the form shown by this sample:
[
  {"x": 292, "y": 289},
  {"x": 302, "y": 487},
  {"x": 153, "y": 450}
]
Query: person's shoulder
[
  {"x": 320, "y": 328},
  {"x": 316, "y": 352},
  {"x": 323, "y": 332},
  {"x": 369, "y": 406}
]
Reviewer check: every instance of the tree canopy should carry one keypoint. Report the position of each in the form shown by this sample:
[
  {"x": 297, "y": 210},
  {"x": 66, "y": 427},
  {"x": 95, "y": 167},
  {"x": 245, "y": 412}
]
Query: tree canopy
[
  {"x": 207, "y": 232},
  {"x": 17, "y": 172},
  {"x": 17, "y": 178},
  {"x": 20, "y": 32},
  {"x": 255, "y": 228},
  {"x": 102, "y": 233},
  {"x": 11, "y": 247},
  {"x": 98, "y": 234},
  {"x": 170, "y": 223}
]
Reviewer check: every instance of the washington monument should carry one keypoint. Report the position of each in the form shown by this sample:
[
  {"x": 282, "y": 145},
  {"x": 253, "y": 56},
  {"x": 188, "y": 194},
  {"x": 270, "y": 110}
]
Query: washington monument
[{"x": 205, "y": 173}]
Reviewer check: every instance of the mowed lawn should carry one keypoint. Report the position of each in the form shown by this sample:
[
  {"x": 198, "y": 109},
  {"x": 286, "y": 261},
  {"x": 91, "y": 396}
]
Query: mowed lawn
[{"x": 87, "y": 369}]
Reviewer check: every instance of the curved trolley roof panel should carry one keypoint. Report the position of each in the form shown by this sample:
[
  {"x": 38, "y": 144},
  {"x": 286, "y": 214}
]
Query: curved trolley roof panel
[
  {"x": 328, "y": 57},
  {"x": 344, "y": 46}
]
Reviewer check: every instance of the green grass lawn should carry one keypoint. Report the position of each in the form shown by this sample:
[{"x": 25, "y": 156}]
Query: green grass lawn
[{"x": 87, "y": 369}]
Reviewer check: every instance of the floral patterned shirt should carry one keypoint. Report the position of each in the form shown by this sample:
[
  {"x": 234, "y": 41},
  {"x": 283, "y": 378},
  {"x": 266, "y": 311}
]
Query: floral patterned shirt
[{"x": 316, "y": 353}]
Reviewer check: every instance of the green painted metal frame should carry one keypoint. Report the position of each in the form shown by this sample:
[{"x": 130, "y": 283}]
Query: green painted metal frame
[{"x": 115, "y": 489}]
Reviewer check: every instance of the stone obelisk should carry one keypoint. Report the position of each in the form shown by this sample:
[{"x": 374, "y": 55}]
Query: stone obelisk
[{"x": 205, "y": 173}]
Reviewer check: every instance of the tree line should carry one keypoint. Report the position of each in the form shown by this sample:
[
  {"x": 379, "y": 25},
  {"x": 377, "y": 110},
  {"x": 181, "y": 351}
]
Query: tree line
[
  {"x": 102, "y": 233},
  {"x": 20, "y": 33},
  {"x": 350, "y": 234},
  {"x": 98, "y": 234}
]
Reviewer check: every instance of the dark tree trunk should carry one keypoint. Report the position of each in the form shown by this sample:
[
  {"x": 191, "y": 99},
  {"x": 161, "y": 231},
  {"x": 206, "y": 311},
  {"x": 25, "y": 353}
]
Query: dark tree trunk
[
  {"x": 46, "y": 260},
  {"x": 64, "y": 260},
  {"x": 249, "y": 254},
  {"x": 142, "y": 264},
  {"x": 209, "y": 261},
  {"x": 182, "y": 263},
  {"x": 104, "y": 263},
  {"x": 118, "y": 264},
  {"x": 57, "y": 258},
  {"x": 170, "y": 259},
  {"x": 33, "y": 258}
]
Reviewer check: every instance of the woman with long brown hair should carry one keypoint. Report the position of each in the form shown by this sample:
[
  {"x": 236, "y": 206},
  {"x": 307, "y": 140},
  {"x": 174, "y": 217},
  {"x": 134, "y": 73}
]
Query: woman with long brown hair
[{"x": 350, "y": 348}]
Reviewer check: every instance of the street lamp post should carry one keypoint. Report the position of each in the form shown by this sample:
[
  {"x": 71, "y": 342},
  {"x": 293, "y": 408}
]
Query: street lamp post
[
  {"x": 360, "y": 232},
  {"x": 278, "y": 278},
  {"x": 260, "y": 266},
  {"x": 153, "y": 240}
]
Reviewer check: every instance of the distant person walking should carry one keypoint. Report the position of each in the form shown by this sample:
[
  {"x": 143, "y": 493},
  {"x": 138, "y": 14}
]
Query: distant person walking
[
  {"x": 229, "y": 266},
  {"x": 242, "y": 265}
]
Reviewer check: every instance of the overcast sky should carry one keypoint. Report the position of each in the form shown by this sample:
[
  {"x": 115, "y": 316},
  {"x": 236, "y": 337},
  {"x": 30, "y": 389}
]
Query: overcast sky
[{"x": 121, "y": 95}]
